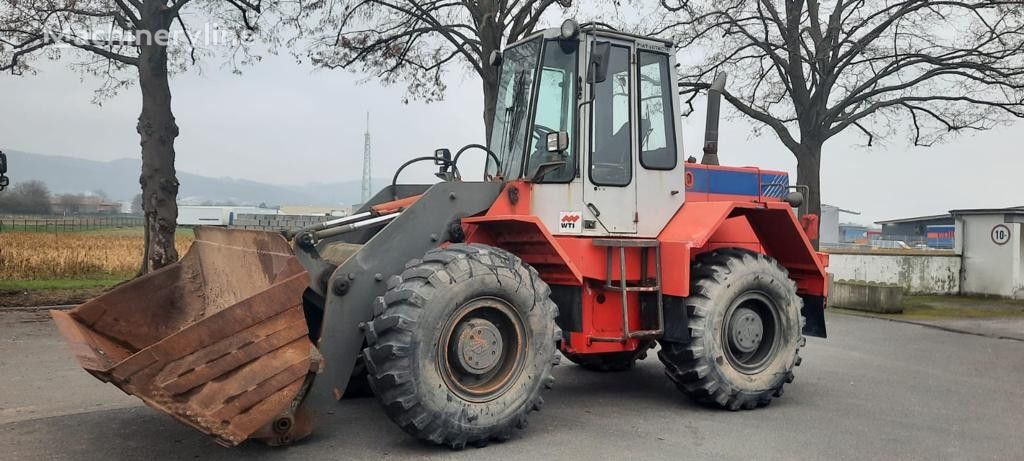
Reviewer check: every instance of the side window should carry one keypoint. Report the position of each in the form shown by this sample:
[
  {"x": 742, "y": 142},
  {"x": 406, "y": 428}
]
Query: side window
[
  {"x": 610, "y": 160},
  {"x": 556, "y": 104},
  {"x": 657, "y": 123}
]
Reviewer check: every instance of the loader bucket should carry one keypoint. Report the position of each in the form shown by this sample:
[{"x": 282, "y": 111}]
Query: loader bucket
[{"x": 217, "y": 340}]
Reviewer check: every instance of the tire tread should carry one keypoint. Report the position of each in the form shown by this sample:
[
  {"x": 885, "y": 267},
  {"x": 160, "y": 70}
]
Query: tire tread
[
  {"x": 689, "y": 365},
  {"x": 394, "y": 330}
]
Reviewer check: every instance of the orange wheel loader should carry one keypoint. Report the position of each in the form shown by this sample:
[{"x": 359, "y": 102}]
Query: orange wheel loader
[{"x": 590, "y": 237}]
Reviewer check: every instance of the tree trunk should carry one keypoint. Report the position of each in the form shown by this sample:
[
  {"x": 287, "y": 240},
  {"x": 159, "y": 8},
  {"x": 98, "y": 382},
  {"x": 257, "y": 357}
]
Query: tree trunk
[
  {"x": 490, "y": 40},
  {"x": 157, "y": 131},
  {"x": 808, "y": 173},
  {"x": 490, "y": 84}
]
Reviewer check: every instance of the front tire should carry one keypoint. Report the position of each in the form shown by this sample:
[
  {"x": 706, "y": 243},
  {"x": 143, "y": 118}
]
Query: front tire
[
  {"x": 463, "y": 344},
  {"x": 745, "y": 331}
]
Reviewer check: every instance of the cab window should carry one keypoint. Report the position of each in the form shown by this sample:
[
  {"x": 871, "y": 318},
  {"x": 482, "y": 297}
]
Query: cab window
[
  {"x": 610, "y": 161},
  {"x": 556, "y": 103},
  {"x": 657, "y": 124}
]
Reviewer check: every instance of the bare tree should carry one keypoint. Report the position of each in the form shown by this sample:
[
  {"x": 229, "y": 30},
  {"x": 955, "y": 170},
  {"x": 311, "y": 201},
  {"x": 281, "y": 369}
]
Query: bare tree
[
  {"x": 416, "y": 40},
  {"x": 29, "y": 197},
  {"x": 128, "y": 41},
  {"x": 810, "y": 69},
  {"x": 69, "y": 203},
  {"x": 137, "y": 205}
]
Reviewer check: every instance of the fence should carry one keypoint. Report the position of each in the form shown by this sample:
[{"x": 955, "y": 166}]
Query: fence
[
  {"x": 67, "y": 224},
  {"x": 891, "y": 242}
]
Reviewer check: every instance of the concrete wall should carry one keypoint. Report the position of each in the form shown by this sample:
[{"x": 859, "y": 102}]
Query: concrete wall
[
  {"x": 871, "y": 297},
  {"x": 916, "y": 272},
  {"x": 276, "y": 222},
  {"x": 990, "y": 269}
]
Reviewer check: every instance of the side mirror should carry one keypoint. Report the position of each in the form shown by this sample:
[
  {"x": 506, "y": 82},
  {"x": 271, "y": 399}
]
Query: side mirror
[
  {"x": 597, "y": 70},
  {"x": 554, "y": 158},
  {"x": 495, "y": 59},
  {"x": 558, "y": 141},
  {"x": 4, "y": 180},
  {"x": 442, "y": 157}
]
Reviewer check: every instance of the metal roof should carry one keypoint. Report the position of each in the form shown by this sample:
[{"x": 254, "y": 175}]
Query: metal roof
[
  {"x": 915, "y": 219},
  {"x": 841, "y": 210},
  {"x": 1011, "y": 210}
]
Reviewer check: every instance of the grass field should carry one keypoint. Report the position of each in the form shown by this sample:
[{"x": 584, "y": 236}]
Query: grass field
[{"x": 95, "y": 258}]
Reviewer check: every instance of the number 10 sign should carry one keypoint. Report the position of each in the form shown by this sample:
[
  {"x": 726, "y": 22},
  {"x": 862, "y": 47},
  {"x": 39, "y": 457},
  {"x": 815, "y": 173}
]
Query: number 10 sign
[{"x": 1000, "y": 234}]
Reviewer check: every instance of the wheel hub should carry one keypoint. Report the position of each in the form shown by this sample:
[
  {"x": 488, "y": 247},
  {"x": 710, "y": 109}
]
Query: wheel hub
[
  {"x": 752, "y": 331},
  {"x": 747, "y": 330},
  {"x": 482, "y": 349},
  {"x": 479, "y": 346}
]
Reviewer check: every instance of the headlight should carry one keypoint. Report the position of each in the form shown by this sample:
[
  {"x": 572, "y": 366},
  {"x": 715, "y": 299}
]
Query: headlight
[{"x": 569, "y": 28}]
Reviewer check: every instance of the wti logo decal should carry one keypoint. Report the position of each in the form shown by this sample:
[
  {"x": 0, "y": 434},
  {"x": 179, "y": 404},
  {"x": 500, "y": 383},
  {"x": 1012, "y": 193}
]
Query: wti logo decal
[{"x": 569, "y": 222}]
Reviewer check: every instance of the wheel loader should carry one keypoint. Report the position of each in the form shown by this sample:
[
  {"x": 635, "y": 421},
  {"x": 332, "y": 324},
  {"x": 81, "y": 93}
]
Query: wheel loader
[{"x": 590, "y": 237}]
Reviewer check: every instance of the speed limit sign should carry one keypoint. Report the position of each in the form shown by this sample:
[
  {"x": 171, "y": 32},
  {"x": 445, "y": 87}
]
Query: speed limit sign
[{"x": 1000, "y": 234}]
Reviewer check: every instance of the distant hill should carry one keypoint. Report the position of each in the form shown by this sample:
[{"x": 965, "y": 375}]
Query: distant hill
[{"x": 119, "y": 179}]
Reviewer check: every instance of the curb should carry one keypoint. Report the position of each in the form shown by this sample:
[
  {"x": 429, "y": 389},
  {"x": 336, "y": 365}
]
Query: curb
[{"x": 927, "y": 325}]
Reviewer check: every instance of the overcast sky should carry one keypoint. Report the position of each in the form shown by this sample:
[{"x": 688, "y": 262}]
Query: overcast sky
[{"x": 285, "y": 123}]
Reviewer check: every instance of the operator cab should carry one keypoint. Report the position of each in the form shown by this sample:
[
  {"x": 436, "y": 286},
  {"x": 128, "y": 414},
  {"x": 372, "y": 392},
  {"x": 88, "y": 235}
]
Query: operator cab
[{"x": 589, "y": 116}]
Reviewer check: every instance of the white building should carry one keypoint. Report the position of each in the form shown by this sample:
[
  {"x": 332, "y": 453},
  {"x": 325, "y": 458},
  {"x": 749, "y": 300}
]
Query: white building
[
  {"x": 828, "y": 224},
  {"x": 194, "y": 215},
  {"x": 991, "y": 246}
]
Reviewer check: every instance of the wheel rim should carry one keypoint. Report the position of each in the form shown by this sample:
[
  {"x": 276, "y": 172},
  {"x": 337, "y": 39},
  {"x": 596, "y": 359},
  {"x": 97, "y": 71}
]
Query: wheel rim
[
  {"x": 482, "y": 349},
  {"x": 752, "y": 331}
]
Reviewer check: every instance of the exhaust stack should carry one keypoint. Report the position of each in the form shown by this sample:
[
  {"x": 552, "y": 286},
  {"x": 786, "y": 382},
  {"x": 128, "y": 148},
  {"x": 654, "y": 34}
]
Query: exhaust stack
[{"x": 711, "y": 129}]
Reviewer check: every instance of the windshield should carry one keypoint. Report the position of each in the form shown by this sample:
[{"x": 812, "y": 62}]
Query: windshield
[{"x": 508, "y": 134}]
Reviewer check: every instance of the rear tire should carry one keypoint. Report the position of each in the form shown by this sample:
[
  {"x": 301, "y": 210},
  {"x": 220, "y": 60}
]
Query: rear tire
[
  {"x": 463, "y": 342},
  {"x": 745, "y": 328},
  {"x": 611, "y": 361}
]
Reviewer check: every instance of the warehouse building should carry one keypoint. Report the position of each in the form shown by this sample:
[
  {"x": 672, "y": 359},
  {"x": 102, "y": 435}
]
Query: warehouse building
[{"x": 912, "y": 231}]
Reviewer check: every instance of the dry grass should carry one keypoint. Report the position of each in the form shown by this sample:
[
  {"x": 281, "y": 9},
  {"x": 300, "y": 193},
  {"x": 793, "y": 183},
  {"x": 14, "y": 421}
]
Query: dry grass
[{"x": 36, "y": 255}]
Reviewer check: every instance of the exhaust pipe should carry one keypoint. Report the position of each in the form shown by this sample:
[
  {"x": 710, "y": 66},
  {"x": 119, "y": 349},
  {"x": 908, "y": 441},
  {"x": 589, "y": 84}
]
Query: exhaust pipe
[{"x": 711, "y": 128}]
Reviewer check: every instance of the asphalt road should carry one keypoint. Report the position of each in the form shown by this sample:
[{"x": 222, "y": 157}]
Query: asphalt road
[{"x": 874, "y": 390}]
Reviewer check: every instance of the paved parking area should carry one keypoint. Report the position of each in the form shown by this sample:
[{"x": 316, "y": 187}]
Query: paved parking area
[{"x": 874, "y": 390}]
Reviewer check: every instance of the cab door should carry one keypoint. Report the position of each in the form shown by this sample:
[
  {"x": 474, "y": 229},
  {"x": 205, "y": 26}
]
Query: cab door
[{"x": 609, "y": 186}]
